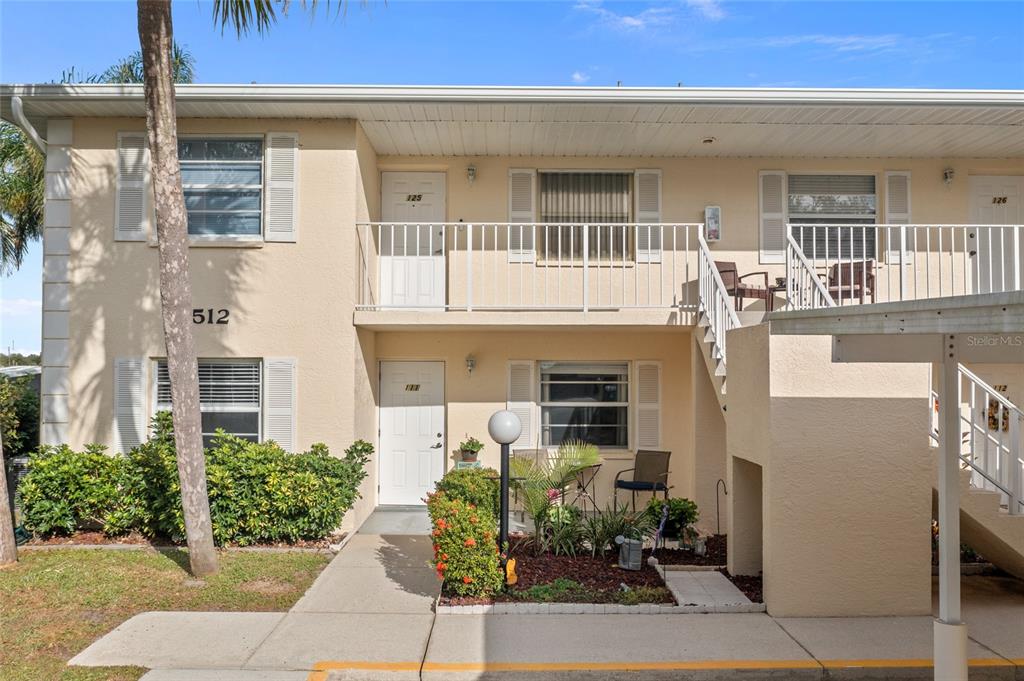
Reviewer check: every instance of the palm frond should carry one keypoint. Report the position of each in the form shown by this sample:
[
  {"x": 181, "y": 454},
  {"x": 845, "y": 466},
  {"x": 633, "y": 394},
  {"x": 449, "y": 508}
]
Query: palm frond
[
  {"x": 259, "y": 15},
  {"x": 129, "y": 69},
  {"x": 21, "y": 196}
]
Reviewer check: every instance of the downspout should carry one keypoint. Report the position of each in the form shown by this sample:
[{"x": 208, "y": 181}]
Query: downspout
[{"x": 22, "y": 122}]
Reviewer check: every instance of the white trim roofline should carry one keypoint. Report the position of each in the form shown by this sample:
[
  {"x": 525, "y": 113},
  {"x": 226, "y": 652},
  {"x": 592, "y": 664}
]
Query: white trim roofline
[{"x": 520, "y": 94}]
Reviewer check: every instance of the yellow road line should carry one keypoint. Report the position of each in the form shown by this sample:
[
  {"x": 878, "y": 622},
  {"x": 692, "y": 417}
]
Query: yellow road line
[{"x": 322, "y": 668}]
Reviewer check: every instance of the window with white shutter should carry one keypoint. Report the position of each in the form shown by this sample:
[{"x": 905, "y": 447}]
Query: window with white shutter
[
  {"x": 282, "y": 164},
  {"x": 133, "y": 212},
  {"x": 281, "y": 407},
  {"x": 897, "y": 210},
  {"x": 772, "y": 215},
  {"x": 648, "y": 405},
  {"x": 648, "y": 212},
  {"x": 129, "y": 402},
  {"x": 229, "y": 396},
  {"x": 522, "y": 400},
  {"x": 522, "y": 210}
]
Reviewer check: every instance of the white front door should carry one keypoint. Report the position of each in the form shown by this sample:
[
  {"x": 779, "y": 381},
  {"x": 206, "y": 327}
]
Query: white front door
[
  {"x": 412, "y": 267},
  {"x": 411, "y": 430},
  {"x": 1000, "y": 257}
]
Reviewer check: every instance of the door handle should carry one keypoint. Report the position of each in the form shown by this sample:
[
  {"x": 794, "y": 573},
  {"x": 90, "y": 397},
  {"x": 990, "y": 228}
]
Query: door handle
[{"x": 436, "y": 446}]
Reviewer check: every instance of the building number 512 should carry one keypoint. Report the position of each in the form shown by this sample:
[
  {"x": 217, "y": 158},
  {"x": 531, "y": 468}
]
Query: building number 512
[{"x": 209, "y": 316}]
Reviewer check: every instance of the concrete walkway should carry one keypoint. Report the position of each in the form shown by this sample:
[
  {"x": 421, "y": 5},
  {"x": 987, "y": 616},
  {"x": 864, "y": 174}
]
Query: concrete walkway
[{"x": 369, "y": 616}]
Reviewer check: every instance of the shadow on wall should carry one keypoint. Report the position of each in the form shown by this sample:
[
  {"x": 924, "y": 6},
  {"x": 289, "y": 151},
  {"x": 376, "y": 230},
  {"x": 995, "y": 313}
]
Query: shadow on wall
[{"x": 115, "y": 299}]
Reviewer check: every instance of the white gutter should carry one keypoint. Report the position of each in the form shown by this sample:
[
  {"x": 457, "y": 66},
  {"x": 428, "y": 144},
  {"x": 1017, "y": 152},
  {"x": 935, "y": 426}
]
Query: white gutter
[
  {"x": 18, "y": 112},
  {"x": 515, "y": 94}
]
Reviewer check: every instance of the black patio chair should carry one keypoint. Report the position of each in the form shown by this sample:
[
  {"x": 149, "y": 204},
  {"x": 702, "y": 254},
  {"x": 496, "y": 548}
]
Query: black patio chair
[{"x": 650, "y": 474}]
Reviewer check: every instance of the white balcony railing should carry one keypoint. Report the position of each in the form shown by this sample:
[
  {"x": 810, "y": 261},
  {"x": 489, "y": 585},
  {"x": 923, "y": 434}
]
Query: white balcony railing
[
  {"x": 520, "y": 266},
  {"x": 857, "y": 263},
  {"x": 992, "y": 439},
  {"x": 715, "y": 302}
]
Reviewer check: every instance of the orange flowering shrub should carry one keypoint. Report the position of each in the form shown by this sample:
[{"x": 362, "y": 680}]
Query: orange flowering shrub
[{"x": 465, "y": 547}]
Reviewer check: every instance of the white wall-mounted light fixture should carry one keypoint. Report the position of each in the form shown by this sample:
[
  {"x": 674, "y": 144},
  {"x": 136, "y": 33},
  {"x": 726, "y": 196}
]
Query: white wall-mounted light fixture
[
  {"x": 470, "y": 364},
  {"x": 471, "y": 173},
  {"x": 947, "y": 176}
]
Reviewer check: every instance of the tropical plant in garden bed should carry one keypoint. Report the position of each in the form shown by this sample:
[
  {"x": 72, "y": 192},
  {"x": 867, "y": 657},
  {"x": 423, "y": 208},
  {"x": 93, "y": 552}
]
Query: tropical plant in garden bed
[{"x": 541, "y": 486}]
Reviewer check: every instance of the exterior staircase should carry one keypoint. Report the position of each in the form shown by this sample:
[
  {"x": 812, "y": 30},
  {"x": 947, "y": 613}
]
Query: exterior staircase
[
  {"x": 992, "y": 474},
  {"x": 715, "y": 317}
]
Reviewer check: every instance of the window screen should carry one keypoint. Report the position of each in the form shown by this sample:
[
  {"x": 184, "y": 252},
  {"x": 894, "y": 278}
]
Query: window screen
[
  {"x": 831, "y": 199},
  {"x": 223, "y": 184},
  {"x": 229, "y": 397},
  {"x": 588, "y": 402}
]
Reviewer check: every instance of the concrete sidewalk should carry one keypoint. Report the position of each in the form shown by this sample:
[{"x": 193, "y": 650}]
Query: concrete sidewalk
[{"x": 369, "y": 616}]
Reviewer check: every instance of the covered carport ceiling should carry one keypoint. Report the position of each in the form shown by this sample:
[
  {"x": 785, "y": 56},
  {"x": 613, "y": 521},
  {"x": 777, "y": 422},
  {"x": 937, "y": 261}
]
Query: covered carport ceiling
[{"x": 598, "y": 122}]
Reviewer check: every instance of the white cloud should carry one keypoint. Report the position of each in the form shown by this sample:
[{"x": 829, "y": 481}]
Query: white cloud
[
  {"x": 580, "y": 77},
  {"x": 20, "y": 307},
  {"x": 709, "y": 9},
  {"x": 652, "y": 17}
]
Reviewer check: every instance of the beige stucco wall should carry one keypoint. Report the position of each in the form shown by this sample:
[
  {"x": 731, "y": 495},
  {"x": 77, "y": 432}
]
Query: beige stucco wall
[
  {"x": 846, "y": 477},
  {"x": 285, "y": 299},
  {"x": 296, "y": 299},
  {"x": 471, "y": 399},
  {"x": 688, "y": 185}
]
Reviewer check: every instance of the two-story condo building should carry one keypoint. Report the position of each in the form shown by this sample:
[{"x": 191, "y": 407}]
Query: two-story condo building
[{"x": 397, "y": 263}]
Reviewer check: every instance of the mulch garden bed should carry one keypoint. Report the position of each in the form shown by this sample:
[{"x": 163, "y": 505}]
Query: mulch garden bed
[
  {"x": 716, "y": 554},
  {"x": 92, "y": 538},
  {"x": 752, "y": 587},
  {"x": 542, "y": 578}
]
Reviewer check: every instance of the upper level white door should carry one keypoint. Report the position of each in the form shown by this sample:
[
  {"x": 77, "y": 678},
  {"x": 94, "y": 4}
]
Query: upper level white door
[
  {"x": 411, "y": 430},
  {"x": 997, "y": 200},
  {"x": 412, "y": 250}
]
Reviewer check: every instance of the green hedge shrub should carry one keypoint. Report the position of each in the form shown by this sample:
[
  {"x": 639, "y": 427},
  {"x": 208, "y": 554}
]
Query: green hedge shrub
[
  {"x": 465, "y": 548},
  {"x": 258, "y": 492},
  {"x": 65, "y": 490},
  {"x": 19, "y": 415},
  {"x": 477, "y": 486}
]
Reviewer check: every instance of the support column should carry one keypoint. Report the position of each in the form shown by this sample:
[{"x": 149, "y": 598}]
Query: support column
[
  {"x": 53, "y": 427},
  {"x": 950, "y": 644}
]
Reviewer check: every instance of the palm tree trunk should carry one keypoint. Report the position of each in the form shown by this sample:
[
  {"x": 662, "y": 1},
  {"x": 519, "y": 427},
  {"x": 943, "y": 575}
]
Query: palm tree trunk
[
  {"x": 8, "y": 547},
  {"x": 156, "y": 38}
]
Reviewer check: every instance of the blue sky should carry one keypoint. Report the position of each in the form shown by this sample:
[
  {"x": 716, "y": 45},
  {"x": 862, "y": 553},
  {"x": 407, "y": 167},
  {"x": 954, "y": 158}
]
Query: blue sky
[{"x": 578, "y": 42}]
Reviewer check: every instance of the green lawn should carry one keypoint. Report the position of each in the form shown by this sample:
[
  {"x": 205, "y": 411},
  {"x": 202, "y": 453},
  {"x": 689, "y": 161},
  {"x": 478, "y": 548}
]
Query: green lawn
[{"x": 56, "y": 602}]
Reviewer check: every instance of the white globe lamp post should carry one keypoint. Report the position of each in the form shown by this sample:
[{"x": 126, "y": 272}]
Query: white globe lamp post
[{"x": 504, "y": 428}]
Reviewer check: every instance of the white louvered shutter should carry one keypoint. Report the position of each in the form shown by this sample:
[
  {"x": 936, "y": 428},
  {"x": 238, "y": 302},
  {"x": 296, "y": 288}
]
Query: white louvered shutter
[
  {"x": 522, "y": 208},
  {"x": 897, "y": 209},
  {"x": 133, "y": 205},
  {"x": 648, "y": 405},
  {"x": 279, "y": 401},
  {"x": 647, "y": 185},
  {"x": 129, "y": 402},
  {"x": 522, "y": 401},
  {"x": 772, "y": 208},
  {"x": 282, "y": 168}
]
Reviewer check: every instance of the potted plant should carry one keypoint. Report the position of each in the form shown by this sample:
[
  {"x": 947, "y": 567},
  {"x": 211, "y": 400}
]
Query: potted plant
[
  {"x": 682, "y": 514},
  {"x": 470, "y": 448}
]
